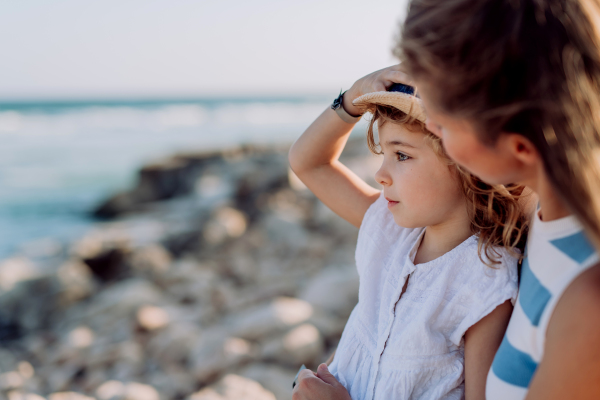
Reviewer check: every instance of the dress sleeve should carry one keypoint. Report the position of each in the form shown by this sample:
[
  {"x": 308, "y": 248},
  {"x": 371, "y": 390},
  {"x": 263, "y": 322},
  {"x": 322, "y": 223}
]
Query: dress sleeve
[{"x": 486, "y": 289}]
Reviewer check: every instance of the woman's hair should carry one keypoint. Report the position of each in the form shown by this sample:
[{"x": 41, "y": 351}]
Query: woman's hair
[
  {"x": 530, "y": 67},
  {"x": 497, "y": 216}
]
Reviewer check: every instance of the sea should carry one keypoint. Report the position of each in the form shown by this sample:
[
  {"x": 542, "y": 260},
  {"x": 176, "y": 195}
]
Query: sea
[{"x": 60, "y": 159}]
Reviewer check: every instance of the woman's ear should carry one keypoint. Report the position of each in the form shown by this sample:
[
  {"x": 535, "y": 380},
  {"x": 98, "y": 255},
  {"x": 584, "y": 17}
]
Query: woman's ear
[{"x": 521, "y": 149}]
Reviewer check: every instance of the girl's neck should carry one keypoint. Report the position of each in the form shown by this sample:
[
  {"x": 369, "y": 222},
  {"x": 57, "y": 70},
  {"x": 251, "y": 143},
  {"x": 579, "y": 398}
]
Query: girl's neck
[{"x": 440, "y": 239}]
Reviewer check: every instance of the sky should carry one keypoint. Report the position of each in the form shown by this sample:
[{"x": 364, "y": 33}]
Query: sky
[{"x": 55, "y": 49}]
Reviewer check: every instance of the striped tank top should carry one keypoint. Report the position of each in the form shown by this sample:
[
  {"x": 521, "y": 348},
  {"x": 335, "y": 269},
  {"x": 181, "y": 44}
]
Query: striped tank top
[{"x": 557, "y": 252}]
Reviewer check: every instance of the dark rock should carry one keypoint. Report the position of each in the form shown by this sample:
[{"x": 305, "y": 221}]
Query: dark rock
[
  {"x": 109, "y": 264},
  {"x": 162, "y": 180}
]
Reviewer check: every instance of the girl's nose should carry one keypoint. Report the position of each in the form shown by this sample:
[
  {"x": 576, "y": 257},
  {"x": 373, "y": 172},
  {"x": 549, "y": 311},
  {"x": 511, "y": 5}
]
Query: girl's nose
[{"x": 382, "y": 176}]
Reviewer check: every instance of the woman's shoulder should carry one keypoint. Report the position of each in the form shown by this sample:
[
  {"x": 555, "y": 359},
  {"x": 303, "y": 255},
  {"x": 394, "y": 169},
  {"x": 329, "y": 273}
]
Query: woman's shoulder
[{"x": 573, "y": 335}]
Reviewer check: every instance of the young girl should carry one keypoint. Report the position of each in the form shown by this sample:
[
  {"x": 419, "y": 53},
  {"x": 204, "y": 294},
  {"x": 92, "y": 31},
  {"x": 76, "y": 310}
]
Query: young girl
[
  {"x": 513, "y": 88},
  {"x": 435, "y": 255}
]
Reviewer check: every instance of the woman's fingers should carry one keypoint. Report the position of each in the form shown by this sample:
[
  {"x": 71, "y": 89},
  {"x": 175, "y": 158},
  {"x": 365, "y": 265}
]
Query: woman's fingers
[
  {"x": 378, "y": 81},
  {"x": 396, "y": 76}
]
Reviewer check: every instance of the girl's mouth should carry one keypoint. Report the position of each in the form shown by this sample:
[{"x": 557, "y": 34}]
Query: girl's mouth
[{"x": 391, "y": 203}]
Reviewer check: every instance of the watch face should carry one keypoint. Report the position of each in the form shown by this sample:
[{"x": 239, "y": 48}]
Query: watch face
[{"x": 337, "y": 103}]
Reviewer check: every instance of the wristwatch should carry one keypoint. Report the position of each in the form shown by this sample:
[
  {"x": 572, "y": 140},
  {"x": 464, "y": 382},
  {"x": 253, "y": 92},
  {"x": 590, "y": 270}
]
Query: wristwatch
[{"x": 341, "y": 111}]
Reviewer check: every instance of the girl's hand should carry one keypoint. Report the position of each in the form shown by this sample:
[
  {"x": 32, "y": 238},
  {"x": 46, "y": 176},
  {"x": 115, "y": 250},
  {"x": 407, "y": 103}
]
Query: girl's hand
[
  {"x": 319, "y": 386},
  {"x": 377, "y": 81}
]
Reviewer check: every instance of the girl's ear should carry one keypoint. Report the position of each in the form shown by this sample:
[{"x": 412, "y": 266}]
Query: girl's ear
[{"x": 521, "y": 149}]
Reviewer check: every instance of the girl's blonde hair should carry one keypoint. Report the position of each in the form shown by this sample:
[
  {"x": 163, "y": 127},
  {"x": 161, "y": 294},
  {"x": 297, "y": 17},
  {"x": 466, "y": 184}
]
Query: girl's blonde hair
[
  {"x": 530, "y": 67},
  {"x": 497, "y": 217}
]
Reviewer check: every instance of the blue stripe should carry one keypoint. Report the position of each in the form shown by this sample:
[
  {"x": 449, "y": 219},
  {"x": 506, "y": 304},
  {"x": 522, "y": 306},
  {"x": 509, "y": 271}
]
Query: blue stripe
[
  {"x": 533, "y": 296},
  {"x": 513, "y": 366},
  {"x": 575, "y": 246}
]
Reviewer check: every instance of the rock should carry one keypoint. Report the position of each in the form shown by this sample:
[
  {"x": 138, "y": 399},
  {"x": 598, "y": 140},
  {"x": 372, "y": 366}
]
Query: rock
[
  {"x": 334, "y": 290},
  {"x": 184, "y": 292},
  {"x": 214, "y": 188},
  {"x": 277, "y": 316},
  {"x": 109, "y": 264},
  {"x": 152, "y": 318},
  {"x": 110, "y": 390},
  {"x": 123, "y": 299},
  {"x": 226, "y": 223},
  {"x": 115, "y": 205},
  {"x": 58, "y": 380},
  {"x": 174, "y": 344},
  {"x": 7, "y": 360},
  {"x": 81, "y": 337},
  {"x": 15, "y": 270},
  {"x": 26, "y": 369},
  {"x": 140, "y": 391},
  {"x": 11, "y": 380},
  {"x": 165, "y": 179},
  {"x": 233, "y": 387},
  {"x": 76, "y": 282},
  {"x": 69, "y": 396},
  {"x": 131, "y": 353},
  {"x": 331, "y": 326},
  {"x": 244, "y": 267},
  {"x": 152, "y": 260},
  {"x": 158, "y": 181},
  {"x": 21, "y": 312},
  {"x": 216, "y": 351},
  {"x": 94, "y": 377},
  {"x": 17, "y": 395},
  {"x": 301, "y": 345},
  {"x": 273, "y": 377},
  {"x": 189, "y": 281},
  {"x": 285, "y": 231},
  {"x": 173, "y": 382},
  {"x": 266, "y": 174}
]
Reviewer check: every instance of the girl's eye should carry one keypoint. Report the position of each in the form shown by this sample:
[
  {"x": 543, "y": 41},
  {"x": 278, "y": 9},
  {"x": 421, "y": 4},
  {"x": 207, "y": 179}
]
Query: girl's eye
[{"x": 402, "y": 156}]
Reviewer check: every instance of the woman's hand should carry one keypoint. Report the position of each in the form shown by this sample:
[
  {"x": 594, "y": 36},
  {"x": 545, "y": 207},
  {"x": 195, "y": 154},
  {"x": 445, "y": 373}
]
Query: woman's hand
[
  {"x": 321, "y": 385},
  {"x": 377, "y": 81}
]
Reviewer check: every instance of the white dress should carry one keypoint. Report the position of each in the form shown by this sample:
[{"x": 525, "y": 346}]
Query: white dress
[{"x": 412, "y": 347}]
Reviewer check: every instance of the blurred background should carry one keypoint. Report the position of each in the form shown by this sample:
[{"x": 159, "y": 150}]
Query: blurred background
[{"x": 155, "y": 244}]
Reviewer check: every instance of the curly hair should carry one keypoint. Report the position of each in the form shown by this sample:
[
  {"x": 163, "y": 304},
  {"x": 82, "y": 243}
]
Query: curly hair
[{"x": 496, "y": 214}]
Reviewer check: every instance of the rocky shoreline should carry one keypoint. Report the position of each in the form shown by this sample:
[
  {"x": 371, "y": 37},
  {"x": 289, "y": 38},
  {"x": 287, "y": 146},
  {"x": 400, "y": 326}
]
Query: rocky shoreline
[{"x": 215, "y": 277}]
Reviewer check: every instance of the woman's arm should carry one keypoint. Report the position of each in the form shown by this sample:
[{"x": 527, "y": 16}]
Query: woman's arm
[
  {"x": 481, "y": 343},
  {"x": 315, "y": 155},
  {"x": 570, "y": 368}
]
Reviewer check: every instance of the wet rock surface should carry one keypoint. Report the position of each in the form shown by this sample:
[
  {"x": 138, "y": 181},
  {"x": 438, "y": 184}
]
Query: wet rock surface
[{"x": 215, "y": 277}]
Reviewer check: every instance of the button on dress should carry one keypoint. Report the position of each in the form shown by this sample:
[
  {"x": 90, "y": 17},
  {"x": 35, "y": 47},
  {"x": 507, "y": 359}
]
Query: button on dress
[{"x": 410, "y": 345}]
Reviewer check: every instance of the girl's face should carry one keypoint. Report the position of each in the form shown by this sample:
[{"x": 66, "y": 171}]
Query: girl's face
[
  {"x": 494, "y": 164},
  {"x": 421, "y": 189}
]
